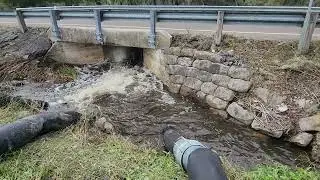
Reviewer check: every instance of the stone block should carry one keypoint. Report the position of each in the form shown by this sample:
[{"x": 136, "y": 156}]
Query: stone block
[
  {"x": 196, "y": 73},
  {"x": 239, "y": 113},
  {"x": 177, "y": 70},
  {"x": 173, "y": 51},
  {"x": 193, "y": 83},
  {"x": 216, "y": 102},
  {"x": 204, "y": 55},
  {"x": 224, "y": 69},
  {"x": 208, "y": 88},
  {"x": 186, "y": 91},
  {"x": 187, "y": 52},
  {"x": 224, "y": 93},
  {"x": 174, "y": 88},
  {"x": 177, "y": 79},
  {"x": 223, "y": 114},
  {"x": 239, "y": 73},
  {"x": 201, "y": 96},
  {"x": 206, "y": 65},
  {"x": 184, "y": 61},
  {"x": 239, "y": 85},
  {"x": 311, "y": 123},
  {"x": 171, "y": 59},
  {"x": 302, "y": 139},
  {"x": 220, "y": 80}
]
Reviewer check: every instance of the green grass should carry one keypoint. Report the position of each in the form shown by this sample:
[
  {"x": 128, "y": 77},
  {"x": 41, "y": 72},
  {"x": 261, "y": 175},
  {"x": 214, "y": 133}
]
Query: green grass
[
  {"x": 271, "y": 172},
  {"x": 13, "y": 111},
  {"x": 281, "y": 172},
  {"x": 67, "y": 72},
  {"x": 67, "y": 155}
]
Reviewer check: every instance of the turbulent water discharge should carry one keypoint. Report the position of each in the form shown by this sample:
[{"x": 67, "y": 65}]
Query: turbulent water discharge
[{"x": 137, "y": 105}]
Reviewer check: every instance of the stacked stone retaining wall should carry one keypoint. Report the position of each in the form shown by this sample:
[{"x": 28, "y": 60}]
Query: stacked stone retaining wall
[{"x": 209, "y": 77}]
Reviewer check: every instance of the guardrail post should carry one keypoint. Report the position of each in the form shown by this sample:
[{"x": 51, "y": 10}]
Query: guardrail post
[
  {"x": 54, "y": 25},
  {"x": 152, "y": 35},
  {"x": 218, "y": 36},
  {"x": 97, "y": 17},
  {"x": 21, "y": 22},
  {"x": 309, "y": 25}
]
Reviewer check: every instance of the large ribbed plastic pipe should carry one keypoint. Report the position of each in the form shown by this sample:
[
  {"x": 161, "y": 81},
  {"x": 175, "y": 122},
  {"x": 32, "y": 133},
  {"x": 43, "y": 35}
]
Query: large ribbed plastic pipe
[
  {"x": 23, "y": 131},
  {"x": 199, "y": 161}
]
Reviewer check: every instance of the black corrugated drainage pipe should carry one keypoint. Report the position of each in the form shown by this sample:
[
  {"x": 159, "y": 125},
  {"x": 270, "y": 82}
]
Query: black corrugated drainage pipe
[
  {"x": 199, "y": 161},
  {"x": 23, "y": 131}
]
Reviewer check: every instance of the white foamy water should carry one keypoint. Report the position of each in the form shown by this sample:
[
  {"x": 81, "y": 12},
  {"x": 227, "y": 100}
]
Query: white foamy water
[
  {"x": 81, "y": 92},
  {"x": 113, "y": 81}
]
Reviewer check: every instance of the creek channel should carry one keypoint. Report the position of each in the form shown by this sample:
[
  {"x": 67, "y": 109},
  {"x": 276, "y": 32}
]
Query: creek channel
[{"x": 139, "y": 107}]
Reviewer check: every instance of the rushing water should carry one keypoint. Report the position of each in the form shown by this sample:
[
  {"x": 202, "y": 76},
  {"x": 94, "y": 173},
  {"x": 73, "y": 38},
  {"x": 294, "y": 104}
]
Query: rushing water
[{"x": 137, "y": 105}]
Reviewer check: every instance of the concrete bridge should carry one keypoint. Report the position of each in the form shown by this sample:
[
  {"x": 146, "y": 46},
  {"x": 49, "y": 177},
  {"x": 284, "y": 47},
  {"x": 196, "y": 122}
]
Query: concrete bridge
[{"x": 78, "y": 45}]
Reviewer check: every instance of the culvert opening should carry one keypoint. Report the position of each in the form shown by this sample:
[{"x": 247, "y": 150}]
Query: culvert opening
[{"x": 120, "y": 55}]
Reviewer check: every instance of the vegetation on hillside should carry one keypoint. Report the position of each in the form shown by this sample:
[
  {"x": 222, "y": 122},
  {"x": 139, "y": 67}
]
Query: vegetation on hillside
[{"x": 26, "y": 3}]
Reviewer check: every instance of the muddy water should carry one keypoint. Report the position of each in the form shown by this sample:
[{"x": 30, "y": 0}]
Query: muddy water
[{"x": 137, "y": 105}]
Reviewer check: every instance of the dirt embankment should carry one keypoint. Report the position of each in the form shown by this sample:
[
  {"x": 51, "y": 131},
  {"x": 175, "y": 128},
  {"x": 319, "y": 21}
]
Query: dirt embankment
[{"x": 22, "y": 57}]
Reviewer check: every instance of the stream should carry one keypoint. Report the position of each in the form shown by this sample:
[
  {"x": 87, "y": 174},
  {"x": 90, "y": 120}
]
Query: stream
[{"x": 139, "y": 107}]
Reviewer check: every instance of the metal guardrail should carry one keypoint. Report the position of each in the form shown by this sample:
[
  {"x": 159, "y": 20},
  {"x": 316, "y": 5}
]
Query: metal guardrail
[{"x": 296, "y": 16}]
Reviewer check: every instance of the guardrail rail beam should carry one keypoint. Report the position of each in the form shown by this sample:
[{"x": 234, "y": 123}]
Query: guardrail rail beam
[
  {"x": 21, "y": 22},
  {"x": 283, "y": 15}
]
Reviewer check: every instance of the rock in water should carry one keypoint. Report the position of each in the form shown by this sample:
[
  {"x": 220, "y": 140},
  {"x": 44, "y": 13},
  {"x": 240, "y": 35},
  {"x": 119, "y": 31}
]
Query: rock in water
[
  {"x": 302, "y": 139},
  {"x": 103, "y": 125},
  {"x": 216, "y": 102},
  {"x": 239, "y": 113},
  {"x": 223, "y": 114},
  {"x": 100, "y": 123},
  {"x": 311, "y": 123},
  {"x": 265, "y": 129}
]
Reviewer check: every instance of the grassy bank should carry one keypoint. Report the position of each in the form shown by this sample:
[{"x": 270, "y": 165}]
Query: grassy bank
[
  {"x": 82, "y": 153},
  {"x": 68, "y": 155},
  {"x": 271, "y": 172},
  {"x": 13, "y": 111}
]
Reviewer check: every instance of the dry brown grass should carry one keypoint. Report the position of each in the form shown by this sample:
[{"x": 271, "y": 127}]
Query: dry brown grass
[
  {"x": 36, "y": 71},
  {"x": 277, "y": 67}
]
